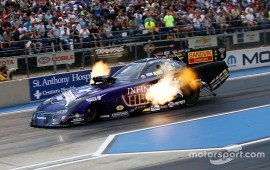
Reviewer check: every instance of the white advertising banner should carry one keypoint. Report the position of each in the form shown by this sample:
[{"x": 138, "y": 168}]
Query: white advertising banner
[
  {"x": 246, "y": 37},
  {"x": 203, "y": 42},
  {"x": 10, "y": 62},
  {"x": 248, "y": 58},
  {"x": 59, "y": 58}
]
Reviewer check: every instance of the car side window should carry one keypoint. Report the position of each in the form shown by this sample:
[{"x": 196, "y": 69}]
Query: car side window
[{"x": 153, "y": 70}]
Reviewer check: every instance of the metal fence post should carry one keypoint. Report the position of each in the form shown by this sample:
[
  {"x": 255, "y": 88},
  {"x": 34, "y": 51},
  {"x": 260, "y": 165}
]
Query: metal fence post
[
  {"x": 136, "y": 53},
  {"x": 67, "y": 67},
  {"x": 83, "y": 62},
  {"x": 27, "y": 65},
  {"x": 54, "y": 64}
]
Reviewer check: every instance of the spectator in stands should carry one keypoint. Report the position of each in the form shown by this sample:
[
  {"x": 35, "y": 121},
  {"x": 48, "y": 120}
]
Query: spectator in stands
[
  {"x": 65, "y": 34},
  {"x": 261, "y": 19},
  {"x": 222, "y": 23},
  {"x": 208, "y": 25},
  {"x": 1, "y": 42},
  {"x": 133, "y": 26},
  {"x": 198, "y": 27},
  {"x": 84, "y": 37},
  {"x": 57, "y": 35},
  {"x": 106, "y": 33},
  {"x": 95, "y": 34},
  {"x": 15, "y": 23},
  {"x": 50, "y": 25},
  {"x": 8, "y": 37},
  {"x": 74, "y": 36},
  {"x": 78, "y": 25},
  {"x": 35, "y": 41},
  {"x": 150, "y": 27},
  {"x": 184, "y": 26},
  {"x": 22, "y": 28},
  {"x": 251, "y": 23},
  {"x": 40, "y": 28},
  {"x": 48, "y": 15},
  {"x": 169, "y": 21},
  {"x": 116, "y": 29},
  {"x": 6, "y": 73},
  {"x": 52, "y": 38},
  {"x": 5, "y": 24}
]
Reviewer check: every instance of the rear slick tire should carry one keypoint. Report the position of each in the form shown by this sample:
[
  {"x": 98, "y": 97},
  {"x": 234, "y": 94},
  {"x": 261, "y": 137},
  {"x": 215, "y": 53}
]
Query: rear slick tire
[{"x": 193, "y": 97}]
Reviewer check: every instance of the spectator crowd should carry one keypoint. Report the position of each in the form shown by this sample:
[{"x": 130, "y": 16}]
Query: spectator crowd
[{"x": 64, "y": 24}]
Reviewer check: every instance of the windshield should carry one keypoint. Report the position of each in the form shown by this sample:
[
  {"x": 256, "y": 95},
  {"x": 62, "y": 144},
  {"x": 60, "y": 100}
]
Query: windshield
[{"x": 129, "y": 72}]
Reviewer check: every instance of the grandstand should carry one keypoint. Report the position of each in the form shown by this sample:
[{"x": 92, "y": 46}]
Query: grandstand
[{"x": 44, "y": 26}]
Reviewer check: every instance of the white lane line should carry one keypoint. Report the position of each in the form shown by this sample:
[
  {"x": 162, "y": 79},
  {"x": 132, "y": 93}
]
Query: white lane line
[
  {"x": 18, "y": 111},
  {"x": 106, "y": 144},
  {"x": 53, "y": 162},
  {"x": 71, "y": 162}
]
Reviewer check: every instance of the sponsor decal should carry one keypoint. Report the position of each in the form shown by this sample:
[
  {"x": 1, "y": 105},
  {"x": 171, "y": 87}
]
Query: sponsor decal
[
  {"x": 200, "y": 56},
  {"x": 58, "y": 58},
  {"x": 246, "y": 37},
  {"x": 149, "y": 74},
  {"x": 110, "y": 52},
  {"x": 120, "y": 114},
  {"x": 155, "y": 108},
  {"x": 146, "y": 109},
  {"x": 202, "y": 42},
  {"x": 48, "y": 86},
  {"x": 92, "y": 99},
  {"x": 120, "y": 107},
  {"x": 41, "y": 118},
  {"x": 44, "y": 60},
  {"x": 219, "y": 79},
  {"x": 104, "y": 116},
  {"x": 222, "y": 51},
  {"x": 257, "y": 58},
  {"x": 158, "y": 72},
  {"x": 9, "y": 62},
  {"x": 77, "y": 118},
  {"x": 136, "y": 95},
  {"x": 231, "y": 61},
  {"x": 248, "y": 58},
  {"x": 164, "y": 107},
  {"x": 171, "y": 104},
  {"x": 181, "y": 102}
]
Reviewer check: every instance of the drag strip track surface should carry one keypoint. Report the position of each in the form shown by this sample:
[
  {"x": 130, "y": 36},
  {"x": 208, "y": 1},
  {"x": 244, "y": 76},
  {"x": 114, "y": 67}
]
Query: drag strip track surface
[{"x": 22, "y": 145}]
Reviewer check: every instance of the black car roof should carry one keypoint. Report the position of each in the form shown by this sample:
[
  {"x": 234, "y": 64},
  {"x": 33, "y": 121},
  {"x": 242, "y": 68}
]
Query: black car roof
[{"x": 146, "y": 60}]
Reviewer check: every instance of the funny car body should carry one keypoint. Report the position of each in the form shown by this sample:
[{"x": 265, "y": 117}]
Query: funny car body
[{"x": 124, "y": 93}]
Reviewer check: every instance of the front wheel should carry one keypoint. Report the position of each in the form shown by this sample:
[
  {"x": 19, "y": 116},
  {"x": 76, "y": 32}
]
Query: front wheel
[{"x": 91, "y": 113}]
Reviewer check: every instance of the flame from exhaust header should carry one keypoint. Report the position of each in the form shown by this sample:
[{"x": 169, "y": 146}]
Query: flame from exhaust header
[
  {"x": 169, "y": 86},
  {"x": 100, "y": 69}
]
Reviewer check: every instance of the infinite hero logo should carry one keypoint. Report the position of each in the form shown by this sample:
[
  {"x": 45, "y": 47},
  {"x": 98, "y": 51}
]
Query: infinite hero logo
[{"x": 136, "y": 95}]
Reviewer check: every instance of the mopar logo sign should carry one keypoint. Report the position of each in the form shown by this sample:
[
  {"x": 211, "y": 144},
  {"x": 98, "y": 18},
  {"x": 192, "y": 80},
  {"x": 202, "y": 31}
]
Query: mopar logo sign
[
  {"x": 231, "y": 61},
  {"x": 258, "y": 57}
]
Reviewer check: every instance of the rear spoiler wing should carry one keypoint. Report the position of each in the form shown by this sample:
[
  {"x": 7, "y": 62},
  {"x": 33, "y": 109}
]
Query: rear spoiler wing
[{"x": 195, "y": 56}]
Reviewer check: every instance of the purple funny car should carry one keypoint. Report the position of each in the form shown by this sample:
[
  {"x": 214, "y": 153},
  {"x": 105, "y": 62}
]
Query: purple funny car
[{"x": 135, "y": 89}]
